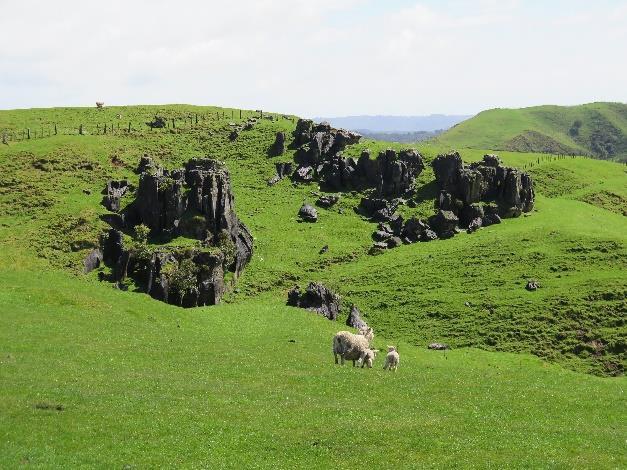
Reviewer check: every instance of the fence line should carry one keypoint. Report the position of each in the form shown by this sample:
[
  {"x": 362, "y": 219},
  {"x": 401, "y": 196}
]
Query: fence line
[{"x": 190, "y": 122}]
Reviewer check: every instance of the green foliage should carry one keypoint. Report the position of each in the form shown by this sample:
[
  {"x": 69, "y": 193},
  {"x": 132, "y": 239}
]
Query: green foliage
[
  {"x": 182, "y": 276},
  {"x": 227, "y": 246},
  {"x": 141, "y": 234}
]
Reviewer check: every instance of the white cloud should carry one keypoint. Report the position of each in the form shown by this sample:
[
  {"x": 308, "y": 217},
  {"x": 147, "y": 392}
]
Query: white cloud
[{"x": 322, "y": 57}]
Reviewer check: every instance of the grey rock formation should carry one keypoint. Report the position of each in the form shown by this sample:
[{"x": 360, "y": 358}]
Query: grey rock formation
[
  {"x": 378, "y": 209},
  {"x": 283, "y": 169},
  {"x": 113, "y": 192},
  {"x": 308, "y": 213},
  {"x": 316, "y": 298},
  {"x": 196, "y": 202},
  {"x": 484, "y": 181},
  {"x": 327, "y": 201},
  {"x": 438, "y": 346},
  {"x": 397, "y": 173},
  {"x": 93, "y": 260},
  {"x": 354, "y": 319},
  {"x": 444, "y": 223},
  {"x": 278, "y": 147}
]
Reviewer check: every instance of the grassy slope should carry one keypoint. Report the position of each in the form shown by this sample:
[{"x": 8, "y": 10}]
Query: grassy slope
[
  {"x": 103, "y": 353},
  {"x": 500, "y": 129}
]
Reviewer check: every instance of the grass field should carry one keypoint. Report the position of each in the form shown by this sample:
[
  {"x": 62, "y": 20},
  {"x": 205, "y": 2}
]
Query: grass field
[
  {"x": 92, "y": 376},
  {"x": 602, "y": 130}
]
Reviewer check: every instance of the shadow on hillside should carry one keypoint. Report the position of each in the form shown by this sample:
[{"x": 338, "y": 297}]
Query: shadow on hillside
[{"x": 427, "y": 191}]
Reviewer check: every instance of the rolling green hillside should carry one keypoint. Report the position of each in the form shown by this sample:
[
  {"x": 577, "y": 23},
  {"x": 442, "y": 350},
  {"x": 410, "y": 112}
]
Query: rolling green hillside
[
  {"x": 595, "y": 129},
  {"x": 93, "y": 376}
]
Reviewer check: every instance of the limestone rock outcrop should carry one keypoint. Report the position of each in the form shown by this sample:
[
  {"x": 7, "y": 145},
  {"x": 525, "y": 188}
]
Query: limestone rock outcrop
[
  {"x": 316, "y": 298},
  {"x": 484, "y": 181},
  {"x": 354, "y": 319},
  {"x": 194, "y": 202}
]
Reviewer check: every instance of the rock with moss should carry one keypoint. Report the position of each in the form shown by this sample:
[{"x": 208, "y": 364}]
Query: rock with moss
[{"x": 193, "y": 202}]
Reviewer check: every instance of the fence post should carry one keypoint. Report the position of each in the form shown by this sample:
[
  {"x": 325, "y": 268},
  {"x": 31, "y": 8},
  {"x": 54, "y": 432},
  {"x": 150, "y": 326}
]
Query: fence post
[
  {"x": 173, "y": 124},
  {"x": 80, "y": 130},
  {"x": 55, "y": 128},
  {"x": 28, "y": 133},
  {"x": 196, "y": 118},
  {"x": 105, "y": 128}
]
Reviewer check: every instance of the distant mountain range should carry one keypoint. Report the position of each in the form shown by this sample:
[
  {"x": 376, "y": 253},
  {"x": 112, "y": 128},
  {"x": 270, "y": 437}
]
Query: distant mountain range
[{"x": 394, "y": 124}]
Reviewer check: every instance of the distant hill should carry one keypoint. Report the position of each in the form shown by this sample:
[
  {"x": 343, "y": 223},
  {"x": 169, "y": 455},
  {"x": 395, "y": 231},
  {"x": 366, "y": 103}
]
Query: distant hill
[
  {"x": 395, "y": 124},
  {"x": 595, "y": 129}
]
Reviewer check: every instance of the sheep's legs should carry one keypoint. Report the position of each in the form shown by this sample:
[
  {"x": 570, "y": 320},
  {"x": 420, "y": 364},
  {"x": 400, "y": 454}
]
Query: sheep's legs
[{"x": 335, "y": 356}]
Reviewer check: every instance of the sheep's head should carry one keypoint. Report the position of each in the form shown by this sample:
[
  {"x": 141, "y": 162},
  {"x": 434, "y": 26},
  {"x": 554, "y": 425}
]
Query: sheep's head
[
  {"x": 391, "y": 348},
  {"x": 368, "y": 333}
]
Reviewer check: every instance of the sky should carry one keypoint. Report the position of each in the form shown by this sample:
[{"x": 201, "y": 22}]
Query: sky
[{"x": 314, "y": 57}]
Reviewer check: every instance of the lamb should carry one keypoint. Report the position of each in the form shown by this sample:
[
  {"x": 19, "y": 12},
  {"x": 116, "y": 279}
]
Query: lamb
[
  {"x": 392, "y": 359},
  {"x": 352, "y": 347},
  {"x": 99, "y": 104},
  {"x": 368, "y": 357}
]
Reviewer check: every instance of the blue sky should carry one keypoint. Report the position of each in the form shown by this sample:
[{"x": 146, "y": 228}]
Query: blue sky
[{"x": 322, "y": 57}]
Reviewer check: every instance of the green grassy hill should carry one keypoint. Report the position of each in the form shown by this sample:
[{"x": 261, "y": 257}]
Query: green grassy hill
[
  {"x": 595, "y": 129},
  {"x": 94, "y": 376}
]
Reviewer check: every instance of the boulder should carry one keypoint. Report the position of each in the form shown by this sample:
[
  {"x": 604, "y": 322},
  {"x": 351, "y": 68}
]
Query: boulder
[
  {"x": 327, "y": 200},
  {"x": 470, "y": 213},
  {"x": 428, "y": 235},
  {"x": 284, "y": 169},
  {"x": 438, "y": 346},
  {"x": 444, "y": 223},
  {"x": 474, "y": 225},
  {"x": 381, "y": 236},
  {"x": 304, "y": 174},
  {"x": 532, "y": 285},
  {"x": 377, "y": 209},
  {"x": 93, "y": 260},
  {"x": 308, "y": 213},
  {"x": 316, "y": 298},
  {"x": 393, "y": 242},
  {"x": 157, "y": 123},
  {"x": 414, "y": 229},
  {"x": 490, "y": 219},
  {"x": 278, "y": 147},
  {"x": 354, "y": 319}
]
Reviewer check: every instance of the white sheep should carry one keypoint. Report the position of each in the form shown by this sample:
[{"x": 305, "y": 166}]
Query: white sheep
[
  {"x": 352, "y": 347},
  {"x": 367, "y": 358},
  {"x": 392, "y": 359}
]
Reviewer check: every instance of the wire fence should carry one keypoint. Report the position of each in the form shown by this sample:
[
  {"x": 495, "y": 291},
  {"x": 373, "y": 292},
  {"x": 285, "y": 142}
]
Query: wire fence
[{"x": 191, "y": 121}]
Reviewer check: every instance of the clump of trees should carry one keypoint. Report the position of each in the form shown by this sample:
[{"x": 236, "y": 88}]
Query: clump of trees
[{"x": 574, "y": 129}]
